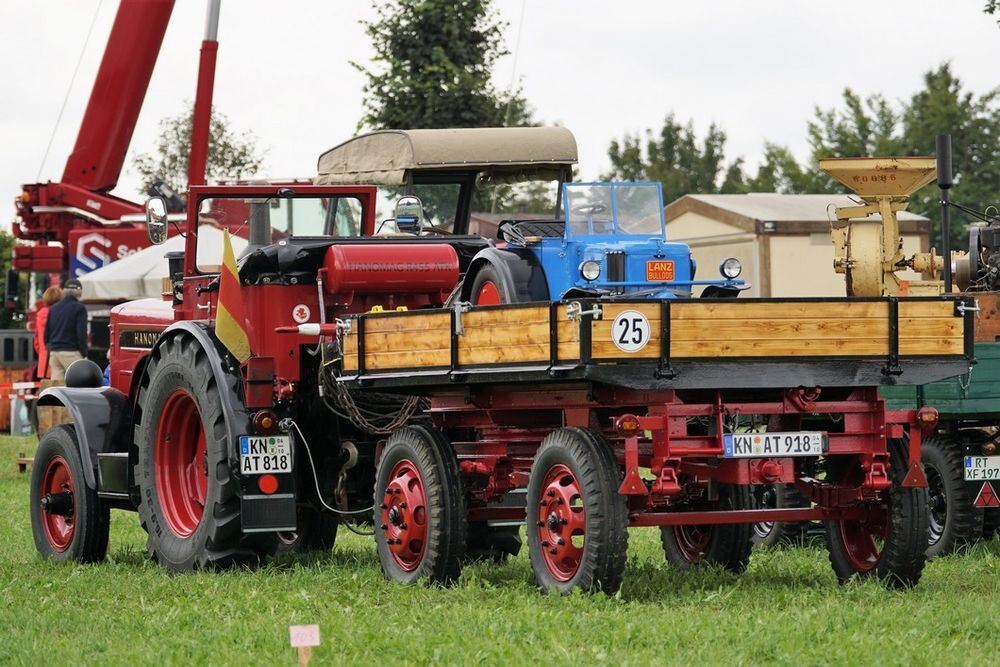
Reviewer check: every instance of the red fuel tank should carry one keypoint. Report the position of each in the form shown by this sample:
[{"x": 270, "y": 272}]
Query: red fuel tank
[{"x": 386, "y": 268}]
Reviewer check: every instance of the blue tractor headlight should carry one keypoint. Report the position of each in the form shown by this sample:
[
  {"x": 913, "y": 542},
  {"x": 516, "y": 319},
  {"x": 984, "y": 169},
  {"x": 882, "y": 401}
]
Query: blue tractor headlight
[
  {"x": 590, "y": 269},
  {"x": 731, "y": 268}
]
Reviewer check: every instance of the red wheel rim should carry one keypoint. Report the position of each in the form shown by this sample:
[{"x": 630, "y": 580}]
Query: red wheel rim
[
  {"x": 489, "y": 294},
  {"x": 693, "y": 541},
  {"x": 404, "y": 516},
  {"x": 863, "y": 539},
  {"x": 181, "y": 463},
  {"x": 562, "y": 523},
  {"x": 56, "y": 481}
]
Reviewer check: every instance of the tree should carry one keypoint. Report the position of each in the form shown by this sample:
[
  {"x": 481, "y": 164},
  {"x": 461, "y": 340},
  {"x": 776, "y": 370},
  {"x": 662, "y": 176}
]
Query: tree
[
  {"x": 676, "y": 158},
  {"x": 231, "y": 155},
  {"x": 434, "y": 67}
]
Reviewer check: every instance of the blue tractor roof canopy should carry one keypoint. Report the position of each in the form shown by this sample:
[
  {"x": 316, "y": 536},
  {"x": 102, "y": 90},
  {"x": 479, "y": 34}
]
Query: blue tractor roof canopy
[{"x": 614, "y": 209}]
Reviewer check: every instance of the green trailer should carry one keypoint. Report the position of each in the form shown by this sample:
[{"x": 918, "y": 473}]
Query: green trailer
[{"x": 961, "y": 460}]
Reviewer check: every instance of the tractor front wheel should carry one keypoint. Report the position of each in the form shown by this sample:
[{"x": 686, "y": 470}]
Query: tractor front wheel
[
  {"x": 890, "y": 543},
  {"x": 577, "y": 530},
  {"x": 69, "y": 522},
  {"x": 420, "y": 512},
  {"x": 727, "y": 545}
]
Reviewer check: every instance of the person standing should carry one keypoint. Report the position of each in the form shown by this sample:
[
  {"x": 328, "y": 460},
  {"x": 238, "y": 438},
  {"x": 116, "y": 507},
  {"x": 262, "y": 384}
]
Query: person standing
[
  {"x": 66, "y": 331},
  {"x": 49, "y": 298}
]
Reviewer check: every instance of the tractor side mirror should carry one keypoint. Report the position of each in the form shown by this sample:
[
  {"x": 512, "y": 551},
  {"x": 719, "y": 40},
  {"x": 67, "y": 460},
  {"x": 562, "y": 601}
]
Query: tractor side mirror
[
  {"x": 409, "y": 214},
  {"x": 156, "y": 220}
]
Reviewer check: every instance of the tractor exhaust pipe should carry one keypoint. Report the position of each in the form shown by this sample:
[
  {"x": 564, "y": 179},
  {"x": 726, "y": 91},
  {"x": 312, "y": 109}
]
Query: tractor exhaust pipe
[{"x": 944, "y": 181}]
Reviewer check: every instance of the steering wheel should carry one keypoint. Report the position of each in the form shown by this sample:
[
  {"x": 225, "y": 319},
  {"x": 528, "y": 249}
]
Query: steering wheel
[
  {"x": 431, "y": 229},
  {"x": 589, "y": 209}
]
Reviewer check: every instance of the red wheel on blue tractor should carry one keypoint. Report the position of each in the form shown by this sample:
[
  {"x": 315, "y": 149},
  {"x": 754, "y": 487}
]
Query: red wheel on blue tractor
[
  {"x": 577, "y": 521},
  {"x": 488, "y": 288},
  {"x": 69, "y": 522},
  {"x": 188, "y": 504},
  {"x": 420, "y": 512},
  {"x": 726, "y": 545},
  {"x": 890, "y": 542}
]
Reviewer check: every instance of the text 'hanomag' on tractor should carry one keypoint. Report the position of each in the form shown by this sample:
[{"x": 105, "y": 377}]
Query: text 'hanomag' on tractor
[{"x": 339, "y": 370}]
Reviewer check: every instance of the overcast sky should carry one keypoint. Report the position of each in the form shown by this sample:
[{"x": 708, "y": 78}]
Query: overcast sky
[{"x": 602, "y": 69}]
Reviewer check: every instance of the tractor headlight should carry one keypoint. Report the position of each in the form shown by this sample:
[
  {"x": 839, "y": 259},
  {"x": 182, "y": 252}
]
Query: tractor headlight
[
  {"x": 731, "y": 268},
  {"x": 590, "y": 269}
]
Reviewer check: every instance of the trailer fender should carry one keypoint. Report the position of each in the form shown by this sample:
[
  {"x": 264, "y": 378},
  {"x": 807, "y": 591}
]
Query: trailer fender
[
  {"x": 519, "y": 268},
  {"x": 102, "y": 417}
]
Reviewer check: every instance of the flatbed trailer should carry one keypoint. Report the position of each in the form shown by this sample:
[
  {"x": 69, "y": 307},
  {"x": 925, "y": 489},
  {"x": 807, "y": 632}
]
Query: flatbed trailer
[{"x": 616, "y": 413}]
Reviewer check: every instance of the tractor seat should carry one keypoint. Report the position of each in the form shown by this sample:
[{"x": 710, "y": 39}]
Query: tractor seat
[{"x": 547, "y": 229}]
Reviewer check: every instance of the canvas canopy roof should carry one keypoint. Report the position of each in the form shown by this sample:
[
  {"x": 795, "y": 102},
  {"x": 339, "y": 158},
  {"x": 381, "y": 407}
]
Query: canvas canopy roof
[
  {"x": 503, "y": 153},
  {"x": 141, "y": 274}
]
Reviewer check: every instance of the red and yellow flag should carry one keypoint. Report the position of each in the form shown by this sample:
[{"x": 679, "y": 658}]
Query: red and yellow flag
[{"x": 230, "y": 321}]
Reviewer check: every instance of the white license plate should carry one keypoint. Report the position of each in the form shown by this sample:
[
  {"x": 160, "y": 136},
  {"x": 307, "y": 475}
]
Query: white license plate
[
  {"x": 264, "y": 454},
  {"x": 982, "y": 468},
  {"x": 760, "y": 445}
]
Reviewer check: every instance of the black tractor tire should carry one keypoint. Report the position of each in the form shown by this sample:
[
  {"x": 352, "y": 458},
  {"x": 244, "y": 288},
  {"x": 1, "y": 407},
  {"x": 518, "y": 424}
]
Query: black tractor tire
[
  {"x": 902, "y": 554},
  {"x": 955, "y": 521},
  {"x": 317, "y": 531},
  {"x": 179, "y": 394},
  {"x": 492, "y": 543},
  {"x": 418, "y": 486},
  {"x": 581, "y": 465},
  {"x": 485, "y": 274},
  {"x": 725, "y": 545},
  {"x": 774, "y": 534},
  {"x": 74, "y": 526}
]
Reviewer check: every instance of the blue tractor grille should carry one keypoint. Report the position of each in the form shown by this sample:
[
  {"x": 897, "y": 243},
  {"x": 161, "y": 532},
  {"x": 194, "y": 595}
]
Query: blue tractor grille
[{"x": 616, "y": 268}]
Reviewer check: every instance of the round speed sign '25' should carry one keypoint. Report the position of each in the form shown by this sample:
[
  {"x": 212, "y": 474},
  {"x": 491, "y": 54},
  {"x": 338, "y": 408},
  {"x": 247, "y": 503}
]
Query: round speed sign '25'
[{"x": 630, "y": 331}]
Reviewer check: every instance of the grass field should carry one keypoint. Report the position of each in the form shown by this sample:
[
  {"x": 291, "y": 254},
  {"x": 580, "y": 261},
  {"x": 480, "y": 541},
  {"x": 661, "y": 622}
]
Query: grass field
[{"x": 786, "y": 608}]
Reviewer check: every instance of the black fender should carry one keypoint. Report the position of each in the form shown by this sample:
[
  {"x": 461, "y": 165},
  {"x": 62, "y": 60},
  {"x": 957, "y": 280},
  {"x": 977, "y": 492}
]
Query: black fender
[
  {"x": 519, "y": 268},
  {"x": 102, "y": 418}
]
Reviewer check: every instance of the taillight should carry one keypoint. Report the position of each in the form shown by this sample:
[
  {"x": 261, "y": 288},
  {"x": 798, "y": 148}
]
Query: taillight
[
  {"x": 265, "y": 422},
  {"x": 267, "y": 484}
]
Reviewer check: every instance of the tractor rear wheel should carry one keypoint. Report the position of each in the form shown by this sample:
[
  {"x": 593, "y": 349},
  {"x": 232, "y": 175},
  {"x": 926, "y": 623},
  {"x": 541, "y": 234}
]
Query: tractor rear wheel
[
  {"x": 955, "y": 521},
  {"x": 577, "y": 530},
  {"x": 891, "y": 542},
  {"x": 420, "y": 516},
  {"x": 727, "y": 545},
  {"x": 69, "y": 522},
  {"x": 188, "y": 492},
  {"x": 489, "y": 288}
]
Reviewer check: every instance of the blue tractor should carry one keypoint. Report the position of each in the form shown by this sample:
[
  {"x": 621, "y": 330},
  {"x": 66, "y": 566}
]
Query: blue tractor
[{"x": 611, "y": 242}]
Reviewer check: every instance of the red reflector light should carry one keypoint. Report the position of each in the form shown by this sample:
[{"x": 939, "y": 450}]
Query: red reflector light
[
  {"x": 267, "y": 484},
  {"x": 989, "y": 449},
  {"x": 265, "y": 422},
  {"x": 627, "y": 425}
]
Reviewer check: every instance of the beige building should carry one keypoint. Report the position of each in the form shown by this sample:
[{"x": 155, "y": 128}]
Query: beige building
[{"x": 783, "y": 240}]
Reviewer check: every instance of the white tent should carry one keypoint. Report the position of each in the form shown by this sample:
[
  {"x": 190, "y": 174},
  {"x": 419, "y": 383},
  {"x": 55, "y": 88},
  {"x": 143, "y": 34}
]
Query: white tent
[{"x": 141, "y": 275}]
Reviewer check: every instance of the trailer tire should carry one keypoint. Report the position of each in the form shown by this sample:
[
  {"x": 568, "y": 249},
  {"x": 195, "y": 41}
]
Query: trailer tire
[
  {"x": 317, "y": 531},
  {"x": 573, "y": 490},
  {"x": 954, "y": 520},
  {"x": 991, "y": 523},
  {"x": 78, "y": 531},
  {"x": 421, "y": 507},
  {"x": 725, "y": 545},
  {"x": 492, "y": 543},
  {"x": 776, "y": 533},
  {"x": 189, "y": 527},
  {"x": 900, "y": 559}
]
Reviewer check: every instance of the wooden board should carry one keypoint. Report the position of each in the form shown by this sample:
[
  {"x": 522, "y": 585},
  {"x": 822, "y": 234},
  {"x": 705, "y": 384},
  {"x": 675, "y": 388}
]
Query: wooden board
[{"x": 511, "y": 335}]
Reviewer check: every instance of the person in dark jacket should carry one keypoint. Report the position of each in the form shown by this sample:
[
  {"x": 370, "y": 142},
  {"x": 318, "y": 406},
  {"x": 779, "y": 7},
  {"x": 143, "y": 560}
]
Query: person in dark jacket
[{"x": 66, "y": 331}]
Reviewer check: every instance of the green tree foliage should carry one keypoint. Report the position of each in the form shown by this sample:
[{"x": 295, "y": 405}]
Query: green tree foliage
[
  {"x": 434, "y": 65},
  {"x": 231, "y": 154},
  {"x": 677, "y": 158}
]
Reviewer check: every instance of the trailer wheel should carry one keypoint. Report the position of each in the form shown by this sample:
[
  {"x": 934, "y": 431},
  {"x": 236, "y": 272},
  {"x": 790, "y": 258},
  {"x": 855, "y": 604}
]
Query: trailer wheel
[
  {"x": 188, "y": 503},
  {"x": 726, "y": 545},
  {"x": 776, "y": 533},
  {"x": 578, "y": 538},
  {"x": 492, "y": 543},
  {"x": 69, "y": 522},
  {"x": 421, "y": 516},
  {"x": 955, "y": 521},
  {"x": 317, "y": 531},
  {"x": 891, "y": 543}
]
